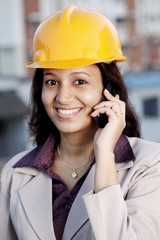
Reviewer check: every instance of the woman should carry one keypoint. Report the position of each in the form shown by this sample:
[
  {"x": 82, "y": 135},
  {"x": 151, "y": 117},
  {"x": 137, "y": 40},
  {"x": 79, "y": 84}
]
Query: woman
[{"x": 82, "y": 181}]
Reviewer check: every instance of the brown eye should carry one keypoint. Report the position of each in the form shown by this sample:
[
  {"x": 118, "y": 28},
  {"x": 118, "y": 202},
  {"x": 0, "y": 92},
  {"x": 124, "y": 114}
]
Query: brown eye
[
  {"x": 80, "y": 82},
  {"x": 51, "y": 82}
]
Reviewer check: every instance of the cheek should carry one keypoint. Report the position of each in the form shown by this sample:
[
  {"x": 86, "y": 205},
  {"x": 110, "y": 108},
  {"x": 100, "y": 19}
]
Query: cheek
[
  {"x": 46, "y": 98},
  {"x": 92, "y": 98},
  {"x": 43, "y": 97}
]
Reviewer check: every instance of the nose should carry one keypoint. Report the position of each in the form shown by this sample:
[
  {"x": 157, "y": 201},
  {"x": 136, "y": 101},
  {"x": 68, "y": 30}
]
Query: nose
[{"x": 64, "y": 94}]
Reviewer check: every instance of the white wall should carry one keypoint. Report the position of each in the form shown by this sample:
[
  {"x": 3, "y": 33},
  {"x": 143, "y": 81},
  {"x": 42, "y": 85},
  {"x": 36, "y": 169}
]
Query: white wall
[{"x": 12, "y": 38}]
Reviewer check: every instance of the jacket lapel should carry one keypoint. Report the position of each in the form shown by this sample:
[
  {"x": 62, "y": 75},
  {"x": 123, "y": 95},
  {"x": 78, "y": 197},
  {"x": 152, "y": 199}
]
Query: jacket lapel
[
  {"x": 78, "y": 214},
  {"x": 36, "y": 198}
]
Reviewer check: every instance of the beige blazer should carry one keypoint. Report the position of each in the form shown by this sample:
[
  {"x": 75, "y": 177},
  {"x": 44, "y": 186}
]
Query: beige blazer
[{"x": 128, "y": 211}]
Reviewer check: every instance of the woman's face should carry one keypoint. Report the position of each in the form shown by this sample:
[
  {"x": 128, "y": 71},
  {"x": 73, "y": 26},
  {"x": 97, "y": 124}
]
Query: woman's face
[{"x": 69, "y": 96}]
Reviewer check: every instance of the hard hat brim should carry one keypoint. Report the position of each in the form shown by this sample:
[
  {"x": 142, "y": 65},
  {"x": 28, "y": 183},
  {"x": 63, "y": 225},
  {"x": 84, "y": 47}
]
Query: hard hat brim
[{"x": 72, "y": 63}]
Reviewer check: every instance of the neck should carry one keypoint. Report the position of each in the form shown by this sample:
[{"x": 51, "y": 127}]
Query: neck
[{"x": 76, "y": 146}]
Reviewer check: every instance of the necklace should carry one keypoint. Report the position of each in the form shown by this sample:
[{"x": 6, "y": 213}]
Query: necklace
[{"x": 74, "y": 170}]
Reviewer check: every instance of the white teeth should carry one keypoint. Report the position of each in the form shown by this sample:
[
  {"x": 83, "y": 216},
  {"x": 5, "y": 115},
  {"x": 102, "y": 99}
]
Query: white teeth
[{"x": 65, "y": 112}]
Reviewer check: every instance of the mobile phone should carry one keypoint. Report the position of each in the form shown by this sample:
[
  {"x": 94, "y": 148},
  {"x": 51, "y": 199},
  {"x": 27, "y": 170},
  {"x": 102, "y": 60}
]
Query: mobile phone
[{"x": 102, "y": 119}]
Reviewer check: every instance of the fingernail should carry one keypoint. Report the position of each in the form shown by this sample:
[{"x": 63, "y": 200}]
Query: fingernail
[{"x": 106, "y": 90}]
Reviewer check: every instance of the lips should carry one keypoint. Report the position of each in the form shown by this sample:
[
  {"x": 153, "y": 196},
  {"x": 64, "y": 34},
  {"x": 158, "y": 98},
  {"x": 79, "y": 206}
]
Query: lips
[{"x": 67, "y": 113}]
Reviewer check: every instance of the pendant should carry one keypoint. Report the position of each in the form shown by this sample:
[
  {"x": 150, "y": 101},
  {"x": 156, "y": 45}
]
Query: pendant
[{"x": 74, "y": 173}]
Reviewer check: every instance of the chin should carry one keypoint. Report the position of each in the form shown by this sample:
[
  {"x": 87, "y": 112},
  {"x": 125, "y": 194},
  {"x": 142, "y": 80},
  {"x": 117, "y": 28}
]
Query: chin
[{"x": 74, "y": 127}]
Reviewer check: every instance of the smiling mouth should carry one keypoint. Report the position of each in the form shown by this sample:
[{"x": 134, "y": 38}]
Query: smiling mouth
[{"x": 68, "y": 111}]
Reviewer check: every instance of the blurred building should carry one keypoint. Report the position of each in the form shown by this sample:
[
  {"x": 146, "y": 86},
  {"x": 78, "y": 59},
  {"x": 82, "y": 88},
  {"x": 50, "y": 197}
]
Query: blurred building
[
  {"x": 144, "y": 93},
  {"x": 143, "y": 24},
  {"x": 14, "y": 83},
  {"x": 138, "y": 24}
]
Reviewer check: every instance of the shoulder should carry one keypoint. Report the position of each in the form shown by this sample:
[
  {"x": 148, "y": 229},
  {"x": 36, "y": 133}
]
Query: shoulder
[
  {"x": 146, "y": 151},
  {"x": 8, "y": 169}
]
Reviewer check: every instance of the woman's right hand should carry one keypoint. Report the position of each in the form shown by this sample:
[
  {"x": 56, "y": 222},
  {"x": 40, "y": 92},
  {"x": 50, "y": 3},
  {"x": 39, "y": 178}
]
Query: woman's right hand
[{"x": 107, "y": 137}]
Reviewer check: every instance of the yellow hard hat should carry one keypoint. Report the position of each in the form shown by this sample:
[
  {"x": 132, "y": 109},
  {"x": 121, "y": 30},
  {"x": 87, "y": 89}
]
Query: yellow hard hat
[{"x": 75, "y": 37}]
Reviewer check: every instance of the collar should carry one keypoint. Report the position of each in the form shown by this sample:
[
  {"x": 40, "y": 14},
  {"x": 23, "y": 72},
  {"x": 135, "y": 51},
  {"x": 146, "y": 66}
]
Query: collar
[
  {"x": 42, "y": 157},
  {"x": 123, "y": 150}
]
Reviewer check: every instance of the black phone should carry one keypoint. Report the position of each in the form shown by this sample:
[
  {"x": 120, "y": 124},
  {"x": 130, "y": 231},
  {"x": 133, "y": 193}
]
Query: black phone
[{"x": 102, "y": 119}]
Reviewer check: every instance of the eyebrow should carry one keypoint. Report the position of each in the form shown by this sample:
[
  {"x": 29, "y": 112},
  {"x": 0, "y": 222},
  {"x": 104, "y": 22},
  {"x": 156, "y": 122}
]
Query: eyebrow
[
  {"x": 73, "y": 73},
  {"x": 81, "y": 73},
  {"x": 49, "y": 73}
]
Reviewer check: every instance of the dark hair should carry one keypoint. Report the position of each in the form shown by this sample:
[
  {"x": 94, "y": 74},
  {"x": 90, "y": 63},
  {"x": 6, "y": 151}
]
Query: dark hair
[
  {"x": 110, "y": 72},
  {"x": 41, "y": 126}
]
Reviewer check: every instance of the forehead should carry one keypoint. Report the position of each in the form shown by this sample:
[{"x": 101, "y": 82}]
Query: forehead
[{"x": 90, "y": 70}]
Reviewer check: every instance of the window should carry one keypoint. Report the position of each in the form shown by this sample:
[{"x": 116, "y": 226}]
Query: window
[{"x": 150, "y": 107}]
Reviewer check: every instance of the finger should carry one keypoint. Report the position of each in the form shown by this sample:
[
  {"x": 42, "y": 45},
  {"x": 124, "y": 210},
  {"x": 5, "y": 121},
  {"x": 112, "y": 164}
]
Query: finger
[
  {"x": 117, "y": 96},
  {"x": 99, "y": 111},
  {"x": 110, "y": 97},
  {"x": 116, "y": 105},
  {"x": 104, "y": 110},
  {"x": 119, "y": 108},
  {"x": 109, "y": 103},
  {"x": 111, "y": 114},
  {"x": 115, "y": 118},
  {"x": 115, "y": 108},
  {"x": 122, "y": 113},
  {"x": 103, "y": 104}
]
